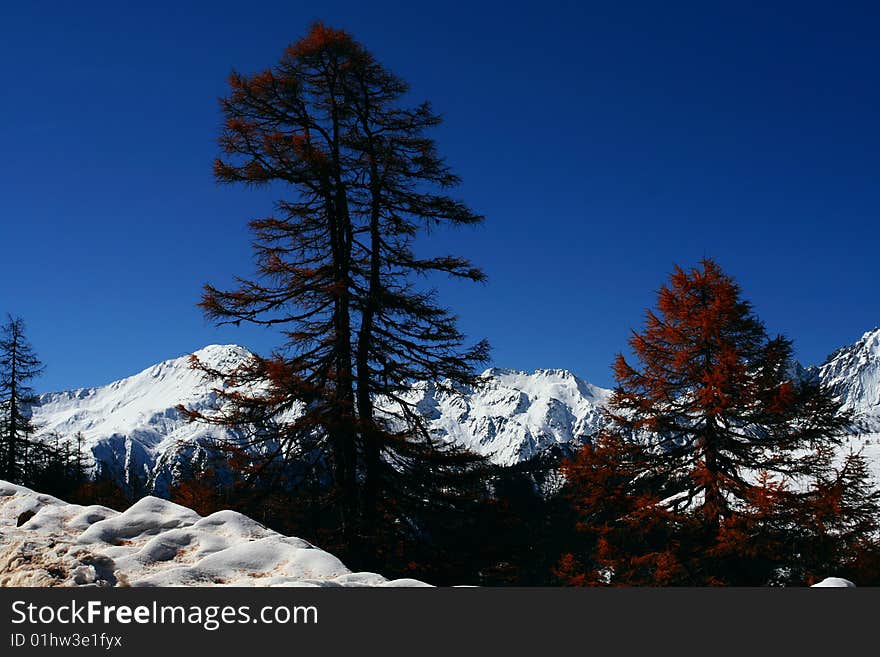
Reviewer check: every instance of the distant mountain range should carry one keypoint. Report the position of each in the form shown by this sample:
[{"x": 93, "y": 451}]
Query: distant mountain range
[{"x": 133, "y": 427}]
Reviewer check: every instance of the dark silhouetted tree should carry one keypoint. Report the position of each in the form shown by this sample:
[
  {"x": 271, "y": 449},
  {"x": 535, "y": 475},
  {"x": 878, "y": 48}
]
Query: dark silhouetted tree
[
  {"x": 18, "y": 366},
  {"x": 53, "y": 464},
  {"x": 337, "y": 274},
  {"x": 104, "y": 488},
  {"x": 842, "y": 526}
]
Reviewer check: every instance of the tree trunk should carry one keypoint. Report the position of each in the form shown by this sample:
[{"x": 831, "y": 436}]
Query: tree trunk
[
  {"x": 714, "y": 504},
  {"x": 12, "y": 438},
  {"x": 365, "y": 399}
]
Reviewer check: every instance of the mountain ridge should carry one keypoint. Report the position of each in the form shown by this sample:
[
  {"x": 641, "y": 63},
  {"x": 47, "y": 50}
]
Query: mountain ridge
[{"x": 132, "y": 425}]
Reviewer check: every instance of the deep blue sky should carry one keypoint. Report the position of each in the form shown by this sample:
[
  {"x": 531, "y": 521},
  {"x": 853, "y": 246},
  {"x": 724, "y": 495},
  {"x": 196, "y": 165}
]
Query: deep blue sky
[{"x": 604, "y": 142}]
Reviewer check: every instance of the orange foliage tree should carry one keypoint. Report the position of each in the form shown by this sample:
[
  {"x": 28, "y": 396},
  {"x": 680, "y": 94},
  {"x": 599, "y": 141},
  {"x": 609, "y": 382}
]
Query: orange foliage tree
[
  {"x": 712, "y": 402},
  {"x": 629, "y": 534}
]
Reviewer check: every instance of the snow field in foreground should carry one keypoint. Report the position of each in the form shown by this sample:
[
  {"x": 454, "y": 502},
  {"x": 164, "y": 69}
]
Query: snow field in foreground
[{"x": 155, "y": 543}]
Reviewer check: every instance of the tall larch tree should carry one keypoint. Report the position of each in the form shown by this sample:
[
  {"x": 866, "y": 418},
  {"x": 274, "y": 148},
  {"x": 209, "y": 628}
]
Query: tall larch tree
[
  {"x": 337, "y": 274},
  {"x": 723, "y": 419},
  {"x": 716, "y": 396},
  {"x": 285, "y": 126},
  {"x": 18, "y": 366}
]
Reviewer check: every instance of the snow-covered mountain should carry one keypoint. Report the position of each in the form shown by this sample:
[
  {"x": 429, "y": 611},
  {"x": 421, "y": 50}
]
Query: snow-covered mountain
[
  {"x": 512, "y": 416},
  {"x": 133, "y": 426},
  {"x": 853, "y": 373},
  {"x": 47, "y": 542}
]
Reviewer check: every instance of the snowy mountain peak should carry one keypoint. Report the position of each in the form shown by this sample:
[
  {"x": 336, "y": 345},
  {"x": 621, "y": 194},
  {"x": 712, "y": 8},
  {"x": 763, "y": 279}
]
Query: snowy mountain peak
[
  {"x": 514, "y": 415},
  {"x": 868, "y": 345},
  {"x": 853, "y": 373},
  {"x": 219, "y": 356},
  {"x": 541, "y": 372},
  {"x": 870, "y": 342},
  {"x": 127, "y": 424},
  {"x": 559, "y": 383},
  {"x": 133, "y": 425}
]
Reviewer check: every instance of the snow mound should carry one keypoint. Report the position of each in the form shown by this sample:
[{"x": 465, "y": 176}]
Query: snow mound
[
  {"x": 834, "y": 583},
  {"x": 47, "y": 542}
]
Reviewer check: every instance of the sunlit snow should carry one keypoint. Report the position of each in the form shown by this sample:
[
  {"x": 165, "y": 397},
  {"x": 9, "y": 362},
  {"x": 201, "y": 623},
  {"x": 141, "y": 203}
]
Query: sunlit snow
[{"x": 155, "y": 543}]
